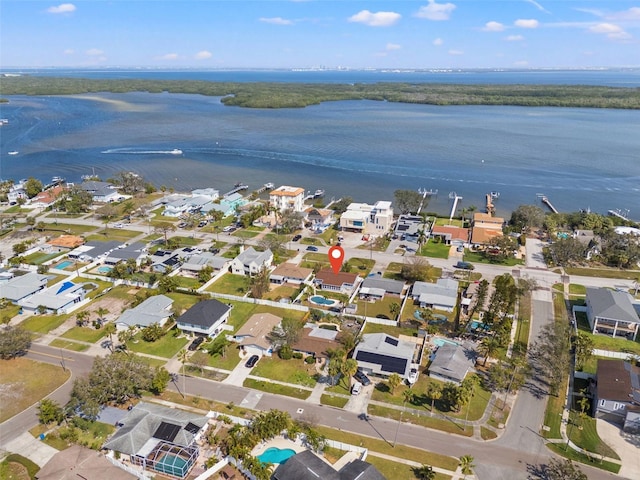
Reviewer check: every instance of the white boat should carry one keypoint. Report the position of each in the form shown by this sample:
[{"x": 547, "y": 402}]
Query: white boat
[
  {"x": 176, "y": 151},
  {"x": 319, "y": 193},
  {"x": 13, "y": 152},
  {"x": 57, "y": 180},
  {"x": 495, "y": 194}
]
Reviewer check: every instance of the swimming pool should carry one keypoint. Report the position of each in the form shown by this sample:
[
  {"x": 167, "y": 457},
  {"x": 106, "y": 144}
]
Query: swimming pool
[
  {"x": 104, "y": 269},
  {"x": 320, "y": 300},
  {"x": 475, "y": 325},
  {"x": 172, "y": 465},
  {"x": 65, "y": 264},
  {"x": 441, "y": 341},
  {"x": 276, "y": 455}
]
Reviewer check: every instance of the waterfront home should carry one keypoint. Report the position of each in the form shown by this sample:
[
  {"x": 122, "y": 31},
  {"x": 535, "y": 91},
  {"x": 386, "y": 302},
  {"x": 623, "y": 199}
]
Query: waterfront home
[
  {"x": 408, "y": 228},
  {"x": 47, "y": 197},
  {"x": 375, "y": 288},
  {"x": 101, "y": 192},
  {"x": 22, "y": 287},
  {"x": 612, "y": 313},
  {"x": 452, "y": 363},
  {"x": 617, "y": 390},
  {"x": 58, "y": 299},
  {"x": 318, "y": 218},
  {"x": 155, "y": 309},
  {"x": 250, "y": 262},
  {"x": 17, "y": 192},
  {"x": 178, "y": 205},
  {"x": 253, "y": 336},
  {"x": 287, "y": 198},
  {"x": 442, "y": 295},
  {"x": 290, "y": 273},
  {"x": 206, "y": 317},
  {"x": 341, "y": 282},
  {"x": 485, "y": 228},
  {"x": 159, "y": 438},
  {"x": 381, "y": 354},
  {"x": 589, "y": 240},
  {"x": 368, "y": 219},
  {"x": 450, "y": 235}
]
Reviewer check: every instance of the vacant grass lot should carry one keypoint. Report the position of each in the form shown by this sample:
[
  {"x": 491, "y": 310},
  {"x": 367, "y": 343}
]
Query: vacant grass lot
[
  {"x": 476, "y": 257},
  {"x": 43, "y": 323},
  {"x": 282, "y": 291},
  {"x": 230, "y": 284},
  {"x": 69, "y": 345},
  {"x": 294, "y": 371},
  {"x": 41, "y": 257},
  {"x": 56, "y": 228},
  {"x": 390, "y": 469},
  {"x": 85, "y": 334},
  {"x": 24, "y": 382},
  {"x": 379, "y": 307},
  {"x": 603, "y": 273},
  {"x": 435, "y": 250},
  {"x": 166, "y": 347}
]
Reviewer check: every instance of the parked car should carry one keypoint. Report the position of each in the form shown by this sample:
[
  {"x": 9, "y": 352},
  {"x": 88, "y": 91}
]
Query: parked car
[
  {"x": 311, "y": 248},
  {"x": 228, "y": 228},
  {"x": 460, "y": 249},
  {"x": 182, "y": 224},
  {"x": 362, "y": 378},
  {"x": 464, "y": 265},
  {"x": 196, "y": 343},
  {"x": 214, "y": 250},
  {"x": 202, "y": 224},
  {"x": 253, "y": 359},
  {"x": 356, "y": 389},
  {"x": 296, "y": 237}
]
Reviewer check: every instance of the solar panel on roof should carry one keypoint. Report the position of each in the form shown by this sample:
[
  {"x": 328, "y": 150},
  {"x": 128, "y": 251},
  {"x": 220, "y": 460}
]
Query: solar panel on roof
[
  {"x": 391, "y": 341},
  {"x": 192, "y": 428},
  {"x": 387, "y": 363},
  {"x": 166, "y": 431}
]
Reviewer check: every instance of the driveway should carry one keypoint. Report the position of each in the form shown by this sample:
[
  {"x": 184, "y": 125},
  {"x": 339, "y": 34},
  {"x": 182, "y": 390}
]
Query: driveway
[
  {"x": 239, "y": 374},
  {"x": 535, "y": 258},
  {"x": 625, "y": 445}
]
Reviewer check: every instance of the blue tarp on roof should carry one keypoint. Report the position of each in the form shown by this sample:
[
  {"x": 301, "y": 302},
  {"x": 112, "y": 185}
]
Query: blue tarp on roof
[{"x": 65, "y": 286}]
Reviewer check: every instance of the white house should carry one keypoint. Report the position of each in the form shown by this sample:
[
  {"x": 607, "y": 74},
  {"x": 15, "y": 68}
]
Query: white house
[
  {"x": 17, "y": 191},
  {"x": 22, "y": 287},
  {"x": 442, "y": 295},
  {"x": 197, "y": 262},
  {"x": 205, "y": 318},
  {"x": 156, "y": 309},
  {"x": 250, "y": 261},
  {"x": 370, "y": 219},
  {"x": 382, "y": 354},
  {"x": 287, "y": 198},
  {"x": 612, "y": 313},
  {"x": 58, "y": 299},
  {"x": 102, "y": 192}
]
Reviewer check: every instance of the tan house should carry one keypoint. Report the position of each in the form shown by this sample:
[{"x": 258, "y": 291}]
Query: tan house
[
  {"x": 485, "y": 228},
  {"x": 65, "y": 242},
  {"x": 316, "y": 341},
  {"x": 253, "y": 335},
  {"x": 450, "y": 234},
  {"x": 287, "y": 198},
  {"x": 290, "y": 273}
]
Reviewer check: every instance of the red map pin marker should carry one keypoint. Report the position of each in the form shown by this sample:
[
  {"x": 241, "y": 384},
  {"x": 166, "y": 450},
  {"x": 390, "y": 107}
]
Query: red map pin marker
[{"x": 336, "y": 257}]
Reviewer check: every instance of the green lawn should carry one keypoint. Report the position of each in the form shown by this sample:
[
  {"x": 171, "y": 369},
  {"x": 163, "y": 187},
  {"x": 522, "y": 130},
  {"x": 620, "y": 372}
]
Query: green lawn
[
  {"x": 165, "y": 347},
  {"x": 562, "y": 450},
  {"x": 605, "y": 342},
  {"x": 245, "y": 234},
  {"x": 389, "y": 330},
  {"x": 603, "y": 273},
  {"x": 188, "y": 282},
  {"x": 424, "y": 420},
  {"x": 379, "y": 307},
  {"x": 231, "y": 285},
  {"x": 585, "y": 434},
  {"x": 276, "y": 388},
  {"x": 333, "y": 400},
  {"x": 393, "y": 271},
  {"x": 15, "y": 467},
  {"x": 476, "y": 257},
  {"x": 56, "y": 228},
  {"x": 39, "y": 258},
  {"x": 361, "y": 266},
  {"x": 117, "y": 234},
  {"x": 575, "y": 289},
  {"x": 85, "y": 334},
  {"x": 390, "y": 469},
  {"x": 69, "y": 345},
  {"x": 294, "y": 371},
  {"x": 444, "y": 221},
  {"x": 229, "y": 361},
  {"x": 282, "y": 291},
  {"x": 183, "y": 301},
  {"x": 43, "y": 323},
  {"x": 435, "y": 250}
]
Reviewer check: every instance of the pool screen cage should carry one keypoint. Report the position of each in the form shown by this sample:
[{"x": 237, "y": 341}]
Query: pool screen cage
[{"x": 170, "y": 459}]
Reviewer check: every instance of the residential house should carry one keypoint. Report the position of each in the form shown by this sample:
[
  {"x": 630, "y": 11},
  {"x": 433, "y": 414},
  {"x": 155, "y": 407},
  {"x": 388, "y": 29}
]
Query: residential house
[
  {"x": 150, "y": 434},
  {"x": 612, "y": 313},
  {"x": 449, "y": 234},
  {"x": 64, "y": 243},
  {"x": 617, "y": 390},
  {"x": 290, "y": 273},
  {"x": 93, "y": 250},
  {"x": 16, "y": 192},
  {"x": 375, "y": 288},
  {"x": 77, "y": 462},
  {"x": 205, "y": 318},
  {"x": 368, "y": 219},
  {"x": 452, "y": 363},
  {"x": 197, "y": 262},
  {"x": 589, "y": 240},
  {"x": 136, "y": 251},
  {"x": 102, "y": 192},
  {"x": 287, "y": 198},
  {"x": 58, "y": 299},
  {"x": 163, "y": 261},
  {"x": 316, "y": 341},
  {"x": 253, "y": 336},
  {"x": 382, "y": 354},
  {"x": 319, "y": 218},
  {"x": 306, "y": 465},
  {"x": 342, "y": 282},
  {"x": 250, "y": 262},
  {"x": 156, "y": 309},
  {"x": 410, "y": 227},
  {"x": 442, "y": 295},
  {"x": 47, "y": 197},
  {"x": 183, "y": 204},
  {"x": 22, "y": 287},
  {"x": 485, "y": 228}
]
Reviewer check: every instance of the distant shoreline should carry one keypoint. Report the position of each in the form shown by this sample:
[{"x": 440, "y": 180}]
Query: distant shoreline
[{"x": 300, "y": 95}]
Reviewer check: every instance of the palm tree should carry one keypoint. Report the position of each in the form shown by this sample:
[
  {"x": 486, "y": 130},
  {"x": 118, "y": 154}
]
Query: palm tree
[
  {"x": 183, "y": 356},
  {"x": 394, "y": 309},
  {"x": 488, "y": 347},
  {"x": 422, "y": 239},
  {"x": 394, "y": 382},
  {"x": 110, "y": 329},
  {"x": 101, "y": 313},
  {"x": 466, "y": 464},
  {"x": 424, "y": 472},
  {"x": 408, "y": 396},
  {"x": 81, "y": 318},
  {"x": 125, "y": 336},
  {"x": 349, "y": 367},
  {"x": 434, "y": 391}
]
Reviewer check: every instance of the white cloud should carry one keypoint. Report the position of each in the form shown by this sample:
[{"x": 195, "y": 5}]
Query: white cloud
[
  {"x": 514, "y": 38},
  {"x": 94, "y": 52},
  {"x": 526, "y": 23},
  {"x": 169, "y": 56},
  {"x": 612, "y": 31},
  {"x": 377, "y": 19},
  {"x": 537, "y": 5},
  {"x": 455, "y": 52},
  {"x": 62, "y": 8},
  {"x": 203, "y": 55},
  {"x": 393, "y": 46},
  {"x": 632, "y": 14},
  {"x": 436, "y": 11},
  {"x": 493, "y": 27},
  {"x": 276, "y": 21},
  {"x": 437, "y": 42}
]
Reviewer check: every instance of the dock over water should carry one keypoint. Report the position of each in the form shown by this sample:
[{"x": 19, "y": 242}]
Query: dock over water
[{"x": 544, "y": 199}]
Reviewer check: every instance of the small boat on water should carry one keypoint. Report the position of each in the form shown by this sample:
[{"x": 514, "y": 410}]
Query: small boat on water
[
  {"x": 176, "y": 151},
  {"x": 57, "y": 180},
  {"x": 495, "y": 194},
  {"x": 13, "y": 152},
  {"x": 319, "y": 193}
]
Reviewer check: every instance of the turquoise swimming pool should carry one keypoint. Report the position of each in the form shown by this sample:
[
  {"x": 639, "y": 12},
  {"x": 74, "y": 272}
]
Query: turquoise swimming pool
[
  {"x": 276, "y": 455},
  {"x": 441, "y": 341},
  {"x": 320, "y": 300},
  {"x": 65, "y": 264},
  {"x": 104, "y": 269}
]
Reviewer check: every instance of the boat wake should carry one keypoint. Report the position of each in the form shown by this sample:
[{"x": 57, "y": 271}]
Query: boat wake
[{"x": 130, "y": 151}]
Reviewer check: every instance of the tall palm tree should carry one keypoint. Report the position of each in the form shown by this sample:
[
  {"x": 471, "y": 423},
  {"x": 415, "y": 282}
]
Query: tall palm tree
[
  {"x": 101, "y": 313},
  {"x": 394, "y": 382},
  {"x": 349, "y": 367},
  {"x": 434, "y": 392},
  {"x": 110, "y": 329},
  {"x": 394, "y": 309},
  {"x": 424, "y": 472},
  {"x": 183, "y": 356},
  {"x": 408, "y": 396},
  {"x": 466, "y": 464},
  {"x": 488, "y": 347},
  {"x": 81, "y": 318}
]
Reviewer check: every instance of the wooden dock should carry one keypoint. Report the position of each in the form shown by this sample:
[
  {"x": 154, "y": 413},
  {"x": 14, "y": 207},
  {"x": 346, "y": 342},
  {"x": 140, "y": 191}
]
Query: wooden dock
[
  {"x": 490, "y": 207},
  {"x": 238, "y": 188},
  {"x": 544, "y": 199}
]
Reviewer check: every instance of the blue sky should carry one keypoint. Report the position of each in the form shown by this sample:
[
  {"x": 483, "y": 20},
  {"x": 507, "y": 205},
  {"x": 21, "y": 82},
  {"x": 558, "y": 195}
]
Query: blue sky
[{"x": 314, "y": 33}]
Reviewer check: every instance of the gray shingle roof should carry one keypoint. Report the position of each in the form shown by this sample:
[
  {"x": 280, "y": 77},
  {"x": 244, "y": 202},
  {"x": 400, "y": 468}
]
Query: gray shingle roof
[
  {"x": 389, "y": 286},
  {"x": 205, "y": 313},
  {"x": 305, "y": 466},
  {"x": 453, "y": 361},
  {"x": 152, "y": 310},
  {"x": 612, "y": 305}
]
